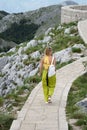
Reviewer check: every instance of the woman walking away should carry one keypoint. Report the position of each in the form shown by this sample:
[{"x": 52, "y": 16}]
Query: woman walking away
[{"x": 48, "y": 83}]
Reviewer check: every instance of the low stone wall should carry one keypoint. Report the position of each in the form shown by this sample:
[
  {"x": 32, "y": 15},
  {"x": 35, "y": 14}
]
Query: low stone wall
[{"x": 73, "y": 13}]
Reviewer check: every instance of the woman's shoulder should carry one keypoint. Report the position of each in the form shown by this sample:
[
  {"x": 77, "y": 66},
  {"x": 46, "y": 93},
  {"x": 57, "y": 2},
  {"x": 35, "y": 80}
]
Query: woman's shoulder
[{"x": 43, "y": 57}]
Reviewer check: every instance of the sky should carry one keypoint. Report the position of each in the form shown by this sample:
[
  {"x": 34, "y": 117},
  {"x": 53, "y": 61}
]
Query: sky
[{"x": 15, "y": 6}]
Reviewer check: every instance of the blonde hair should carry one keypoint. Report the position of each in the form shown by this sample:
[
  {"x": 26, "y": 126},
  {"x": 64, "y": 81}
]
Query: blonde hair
[{"x": 48, "y": 50}]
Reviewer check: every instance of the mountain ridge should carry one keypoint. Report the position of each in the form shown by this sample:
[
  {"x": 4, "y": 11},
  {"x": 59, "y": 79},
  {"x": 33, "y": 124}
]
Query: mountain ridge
[
  {"x": 3, "y": 14},
  {"x": 68, "y": 2},
  {"x": 13, "y": 26}
]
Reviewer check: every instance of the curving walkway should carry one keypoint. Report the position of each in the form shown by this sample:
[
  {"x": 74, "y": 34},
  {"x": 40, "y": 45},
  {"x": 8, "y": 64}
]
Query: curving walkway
[
  {"x": 36, "y": 115},
  {"x": 82, "y": 28}
]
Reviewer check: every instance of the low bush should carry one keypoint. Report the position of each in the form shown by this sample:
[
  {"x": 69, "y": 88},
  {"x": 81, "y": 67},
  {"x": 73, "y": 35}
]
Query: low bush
[
  {"x": 76, "y": 50},
  {"x": 5, "y": 121}
]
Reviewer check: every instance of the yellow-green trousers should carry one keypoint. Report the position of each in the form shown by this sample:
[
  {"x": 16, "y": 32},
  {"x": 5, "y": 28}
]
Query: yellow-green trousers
[{"x": 48, "y": 85}]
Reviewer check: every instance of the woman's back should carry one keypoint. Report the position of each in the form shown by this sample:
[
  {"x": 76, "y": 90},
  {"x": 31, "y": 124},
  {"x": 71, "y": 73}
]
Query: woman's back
[{"x": 47, "y": 61}]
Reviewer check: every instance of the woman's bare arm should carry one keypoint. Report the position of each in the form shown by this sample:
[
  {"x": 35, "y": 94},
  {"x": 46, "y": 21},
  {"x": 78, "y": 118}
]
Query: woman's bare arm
[{"x": 41, "y": 66}]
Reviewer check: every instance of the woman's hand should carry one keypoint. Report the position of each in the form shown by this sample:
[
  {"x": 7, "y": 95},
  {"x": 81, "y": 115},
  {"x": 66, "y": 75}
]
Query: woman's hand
[{"x": 39, "y": 74}]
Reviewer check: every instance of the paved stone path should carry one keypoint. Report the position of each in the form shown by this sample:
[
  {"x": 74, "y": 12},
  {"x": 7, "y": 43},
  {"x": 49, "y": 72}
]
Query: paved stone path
[
  {"x": 82, "y": 28},
  {"x": 36, "y": 115}
]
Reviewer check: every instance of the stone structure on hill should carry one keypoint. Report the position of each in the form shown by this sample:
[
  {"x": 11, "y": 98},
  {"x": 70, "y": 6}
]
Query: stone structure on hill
[{"x": 73, "y": 13}]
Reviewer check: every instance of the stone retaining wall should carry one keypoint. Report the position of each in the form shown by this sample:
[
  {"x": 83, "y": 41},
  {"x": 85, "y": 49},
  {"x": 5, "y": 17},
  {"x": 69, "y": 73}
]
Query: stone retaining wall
[{"x": 73, "y": 13}]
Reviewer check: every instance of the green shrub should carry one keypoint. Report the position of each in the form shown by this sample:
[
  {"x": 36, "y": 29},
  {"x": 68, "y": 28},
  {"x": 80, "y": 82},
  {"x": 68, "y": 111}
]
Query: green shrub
[
  {"x": 5, "y": 121},
  {"x": 20, "y": 32},
  {"x": 33, "y": 79},
  {"x": 1, "y": 75},
  {"x": 76, "y": 50},
  {"x": 70, "y": 127},
  {"x": 1, "y": 101},
  {"x": 81, "y": 122},
  {"x": 60, "y": 65}
]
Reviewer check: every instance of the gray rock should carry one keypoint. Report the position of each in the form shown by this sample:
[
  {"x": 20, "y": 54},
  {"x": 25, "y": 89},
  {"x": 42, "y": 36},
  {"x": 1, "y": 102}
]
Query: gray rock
[
  {"x": 24, "y": 57},
  {"x": 72, "y": 35},
  {"x": 19, "y": 81},
  {"x": 67, "y": 31},
  {"x": 63, "y": 56},
  {"x": 3, "y": 62},
  {"x": 51, "y": 34},
  {"x": 48, "y": 31},
  {"x": 33, "y": 73},
  {"x": 12, "y": 49},
  {"x": 47, "y": 39},
  {"x": 83, "y": 104},
  {"x": 59, "y": 27},
  {"x": 35, "y": 54},
  {"x": 81, "y": 46},
  {"x": 20, "y": 50},
  {"x": 76, "y": 56},
  {"x": 6, "y": 68},
  {"x": 32, "y": 43}
]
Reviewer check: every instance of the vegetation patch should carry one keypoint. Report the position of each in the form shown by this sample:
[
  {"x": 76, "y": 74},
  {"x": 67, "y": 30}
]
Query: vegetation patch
[
  {"x": 62, "y": 41},
  {"x": 5, "y": 121},
  {"x": 20, "y": 32},
  {"x": 60, "y": 65},
  {"x": 76, "y": 50},
  {"x": 77, "y": 93}
]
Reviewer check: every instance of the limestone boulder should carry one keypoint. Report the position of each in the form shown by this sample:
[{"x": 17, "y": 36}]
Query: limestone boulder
[
  {"x": 20, "y": 50},
  {"x": 35, "y": 54},
  {"x": 3, "y": 62},
  {"x": 83, "y": 105},
  {"x": 12, "y": 49},
  {"x": 47, "y": 39},
  {"x": 67, "y": 31},
  {"x": 48, "y": 31},
  {"x": 33, "y": 72},
  {"x": 63, "y": 55},
  {"x": 32, "y": 43},
  {"x": 81, "y": 46}
]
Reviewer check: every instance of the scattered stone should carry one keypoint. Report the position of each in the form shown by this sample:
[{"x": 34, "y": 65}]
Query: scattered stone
[
  {"x": 76, "y": 56},
  {"x": 83, "y": 104},
  {"x": 72, "y": 35},
  {"x": 51, "y": 34},
  {"x": 24, "y": 57},
  {"x": 33, "y": 72},
  {"x": 81, "y": 46},
  {"x": 35, "y": 54},
  {"x": 12, "y": 49},
  {"x": 67, "y": 31},
  {"x": 3, "y": 62},
  {"x": 20, "y": 50},
  {"x": 32, "y": 43},
  {"x": 48, "y": 31},
  {"x": 59, "y": 27},
  {"x": 47, "y": 39},
  {"x": 63, "y": 56}
]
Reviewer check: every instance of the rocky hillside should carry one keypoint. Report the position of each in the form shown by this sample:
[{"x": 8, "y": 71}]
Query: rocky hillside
[
  {"x": 19, "y": 66},
  {"x": 6, "y": 45},
  {"x": 3, "y": 14},
  {"x": 13, "y": 26},
  {"x": 22, "y": 27}
]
